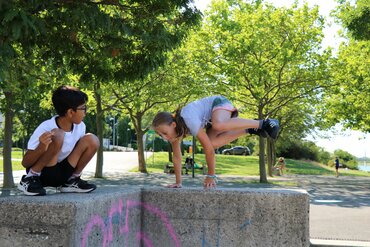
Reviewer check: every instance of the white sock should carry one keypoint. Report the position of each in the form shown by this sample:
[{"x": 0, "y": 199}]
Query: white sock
[
  {"x": 75, "y": 175},
  {"x": 32, "y": 173},
  {"x": 260, "y": 124}
]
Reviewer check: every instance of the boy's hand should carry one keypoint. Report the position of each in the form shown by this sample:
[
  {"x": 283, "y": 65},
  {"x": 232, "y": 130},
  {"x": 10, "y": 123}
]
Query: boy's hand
[
  {"x": 209, "y": 183},
  {"x": 176, "y": 186},
  {"x": 45, "y": 139}
]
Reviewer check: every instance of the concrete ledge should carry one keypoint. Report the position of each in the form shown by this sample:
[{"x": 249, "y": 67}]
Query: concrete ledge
[
  {"x": 157, "y": 217},
  {"x": 68, "y": 219},
  {"x": 338, "y": 243},
  {"x": 247, "y": 217}
]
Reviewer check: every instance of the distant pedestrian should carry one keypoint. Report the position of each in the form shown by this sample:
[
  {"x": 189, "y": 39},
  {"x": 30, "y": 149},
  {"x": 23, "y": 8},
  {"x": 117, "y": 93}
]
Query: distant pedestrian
[
  {"x": 336, "y": 166},
  {"x": 280, "y": 166}
]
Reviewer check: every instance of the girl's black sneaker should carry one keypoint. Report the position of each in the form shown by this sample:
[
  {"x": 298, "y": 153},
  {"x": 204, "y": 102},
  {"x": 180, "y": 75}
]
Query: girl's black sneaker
[
  {"x": 259, "y": 132},
  {"x": 271, "y": 126}
]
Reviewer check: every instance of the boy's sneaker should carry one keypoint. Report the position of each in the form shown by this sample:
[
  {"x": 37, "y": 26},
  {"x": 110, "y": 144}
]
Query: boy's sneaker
[
  {"x": 259, "y": 132},
  {"x": 31, "y": 186},
  {"x": 77, "y": 185},
  {"x": 271, "y": 126}
]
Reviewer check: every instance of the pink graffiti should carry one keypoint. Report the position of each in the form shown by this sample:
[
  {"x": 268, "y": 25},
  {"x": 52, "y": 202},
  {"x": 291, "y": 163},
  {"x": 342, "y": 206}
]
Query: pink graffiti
[
  {"x": 117, "y": 208},
  {"x": 95, "y": 220},
  {"x": 140, "y": 236}
]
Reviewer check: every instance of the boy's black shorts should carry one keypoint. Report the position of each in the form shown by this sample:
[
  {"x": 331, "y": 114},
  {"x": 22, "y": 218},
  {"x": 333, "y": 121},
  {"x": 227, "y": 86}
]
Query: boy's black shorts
[{"x": 57, "y": 175}]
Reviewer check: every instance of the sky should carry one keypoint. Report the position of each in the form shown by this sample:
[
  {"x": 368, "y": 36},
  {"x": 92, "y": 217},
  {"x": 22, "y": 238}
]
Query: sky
[{"x": 354, "y": 142}]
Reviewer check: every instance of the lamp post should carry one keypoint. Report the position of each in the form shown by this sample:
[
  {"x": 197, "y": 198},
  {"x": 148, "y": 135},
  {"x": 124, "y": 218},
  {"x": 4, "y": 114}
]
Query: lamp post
[
  {"x": 128, "y": 137},
  {"x": 113, "y": 129}
]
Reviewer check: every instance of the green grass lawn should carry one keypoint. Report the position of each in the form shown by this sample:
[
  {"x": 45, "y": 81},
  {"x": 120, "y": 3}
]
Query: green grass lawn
[
  {"x": 16, "y": 161},
  {"x": 248, "y": 166},
  {"x": 225, "y": 165},
  {"x": 16, "y": 165}
]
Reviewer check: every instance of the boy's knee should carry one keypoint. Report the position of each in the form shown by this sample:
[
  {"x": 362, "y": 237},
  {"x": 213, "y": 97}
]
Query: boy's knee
[
  {"x": 92, "y": 140},
  {"x": 58, "y": 137}
]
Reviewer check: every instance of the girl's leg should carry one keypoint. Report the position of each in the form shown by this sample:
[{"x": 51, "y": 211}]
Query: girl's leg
[
  {"x": 85, "y": 149},
  {"x": 226, "y": 129},
  {"x": 222, "y": 121},
  {"x": 220, "y": 139}
]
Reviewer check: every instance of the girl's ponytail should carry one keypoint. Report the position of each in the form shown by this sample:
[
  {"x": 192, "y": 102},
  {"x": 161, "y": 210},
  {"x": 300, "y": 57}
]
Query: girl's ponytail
[
  {"x": 181, "y": 128},
  {"x": 167, "y": 118}
]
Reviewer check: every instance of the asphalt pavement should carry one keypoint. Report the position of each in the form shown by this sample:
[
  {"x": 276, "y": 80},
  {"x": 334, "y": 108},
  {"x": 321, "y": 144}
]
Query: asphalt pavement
[{"x": 339, "y": 207}]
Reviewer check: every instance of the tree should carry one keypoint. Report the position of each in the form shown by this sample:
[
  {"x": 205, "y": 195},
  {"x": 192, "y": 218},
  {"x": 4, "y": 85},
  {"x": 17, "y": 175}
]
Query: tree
[
  {"x": 17, "y": 31},
  {"x": 349, "y": 103},
  {"x": 98, "y": 41},
  {"x": 355, "y": 18},
  {"x": 22, "y": 101},
  {"x": 116, "y": 41},
  {"x": 268, "y": 59},
  {"x": 142, "y": 98}
]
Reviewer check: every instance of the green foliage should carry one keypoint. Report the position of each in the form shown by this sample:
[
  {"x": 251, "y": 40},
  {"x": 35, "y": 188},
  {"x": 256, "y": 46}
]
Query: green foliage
[
  {"x": 113, "y": 40},
  {"x": 324, "y": 157},
  {"x": 301, "y": 150},
  {"x": 346, "y": 158},
  {"x": 298, "y": 149},
  {"x": 267, "y": 60},
  {"x": 348, "y": 102},
  {"x": 158, "y": 145},
  {"x": 356, "y": 18},
  {"x": 89, "y": 41}
]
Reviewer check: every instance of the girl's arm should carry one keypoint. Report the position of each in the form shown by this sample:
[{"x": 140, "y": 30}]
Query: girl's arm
[
  {"x": 210, "y": 180},
  {"x": 177, "y": 157}
]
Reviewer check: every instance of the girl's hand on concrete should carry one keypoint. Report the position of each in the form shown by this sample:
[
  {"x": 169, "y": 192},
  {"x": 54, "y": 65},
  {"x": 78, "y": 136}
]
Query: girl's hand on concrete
[
  {"x": 175, "y": 186},
  {"x": 209, "y": 183}
]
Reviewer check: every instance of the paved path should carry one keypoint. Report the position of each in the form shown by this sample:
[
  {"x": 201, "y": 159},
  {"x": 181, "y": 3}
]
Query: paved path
[
  {"x": 116, "y": 162},
  {"x": 339, "y": 207}
]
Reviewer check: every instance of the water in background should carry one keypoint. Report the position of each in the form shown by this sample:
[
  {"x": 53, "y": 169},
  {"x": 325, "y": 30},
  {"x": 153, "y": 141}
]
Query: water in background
[{"x": 363, "y": 167}]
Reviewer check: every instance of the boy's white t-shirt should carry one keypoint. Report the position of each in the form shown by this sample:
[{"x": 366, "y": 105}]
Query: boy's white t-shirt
[
  {"x": 70, "y": 138},
  {"x": 198, "y": 113}
]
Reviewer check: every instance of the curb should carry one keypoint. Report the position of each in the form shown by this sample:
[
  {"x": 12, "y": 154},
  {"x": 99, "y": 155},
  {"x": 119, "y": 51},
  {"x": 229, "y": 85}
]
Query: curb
[{"x": 338, "y": 243}]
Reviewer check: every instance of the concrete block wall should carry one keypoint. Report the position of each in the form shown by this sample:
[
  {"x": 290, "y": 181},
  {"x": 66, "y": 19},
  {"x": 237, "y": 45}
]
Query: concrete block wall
[
  {"x": 65, "y": 220},
  {"x": 247, "y": 217},
  {"x": 112, "y": 216}
]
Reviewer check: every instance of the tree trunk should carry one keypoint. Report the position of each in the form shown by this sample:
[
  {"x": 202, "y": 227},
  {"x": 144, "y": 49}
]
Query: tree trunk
[
  {"x": 7, "y": 149},
  {"x": 263, "y": 177},
  {"x": 269, "y": 156},
  {"x": 140, "y": 152},
  {"x": 262, "y": 164},
  {"x": 273, "y": 152},
  {"x": 99, "y": 129},
  {"x": 140, "y": 145}
]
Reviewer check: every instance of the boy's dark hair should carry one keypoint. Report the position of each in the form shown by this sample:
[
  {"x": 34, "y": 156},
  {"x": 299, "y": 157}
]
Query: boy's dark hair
[
  {"x": 67, "y": 97},
  {"x": 167, "y": 118}
]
